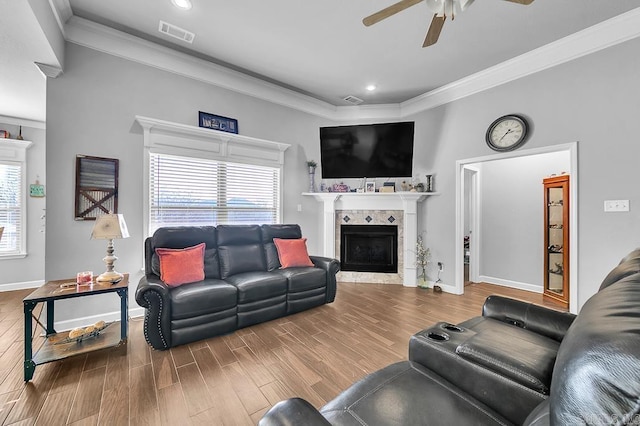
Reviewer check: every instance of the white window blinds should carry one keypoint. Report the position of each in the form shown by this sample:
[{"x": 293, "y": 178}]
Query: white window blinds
[
  {"x": 192, "y": 191},
  {"x": 11, "y": 213}
]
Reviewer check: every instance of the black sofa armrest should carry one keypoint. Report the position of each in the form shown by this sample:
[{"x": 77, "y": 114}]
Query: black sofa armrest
[
  {"x": 332, "y": 266},
  {"x": 544, "y": 321},
  {"x": 293, "y": 412},
  {"x": 153, "y": 295}
]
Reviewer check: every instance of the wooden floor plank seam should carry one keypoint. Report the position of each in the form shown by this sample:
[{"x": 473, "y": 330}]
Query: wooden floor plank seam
[{"x": 231, "y": 379}]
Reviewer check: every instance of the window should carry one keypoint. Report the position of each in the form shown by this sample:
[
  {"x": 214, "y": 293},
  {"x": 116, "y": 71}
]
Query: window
[
  {"x": 13, "y": 198},
  {"x": 193, "y": 191}
]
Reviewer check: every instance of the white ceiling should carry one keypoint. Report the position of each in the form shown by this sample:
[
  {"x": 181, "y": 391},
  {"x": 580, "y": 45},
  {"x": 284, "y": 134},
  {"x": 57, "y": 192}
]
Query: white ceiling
[{"x": 322, "y": 49}]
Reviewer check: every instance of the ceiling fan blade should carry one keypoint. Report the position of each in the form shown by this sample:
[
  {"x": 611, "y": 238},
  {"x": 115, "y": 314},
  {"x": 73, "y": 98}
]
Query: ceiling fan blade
[
  {"x": 524, "y": 2},
  {"x": 434, "y": 30},
  {"x": 389, "y": 11}
]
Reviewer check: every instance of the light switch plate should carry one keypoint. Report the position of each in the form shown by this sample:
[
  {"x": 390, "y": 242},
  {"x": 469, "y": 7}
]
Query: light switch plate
[{"x": 616, "y": 205}]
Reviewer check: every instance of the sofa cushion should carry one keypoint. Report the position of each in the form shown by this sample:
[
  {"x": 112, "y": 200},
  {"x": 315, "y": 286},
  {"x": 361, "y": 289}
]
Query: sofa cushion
[
  {"x": 184, "y": 236},
  {"x": 529, "y": 359},
  {"x": 238, "y": 259},
  {"x": 292, "y": 253},
  {"x": 234, "y": 235},
  {"x": 269, "y": 232},
  {"x": 629, "y": 265},
  {"x": 406, "y": 393},
  {"x": 211, "y": 265},
  {"x": 181, "y": 266},
  {"x": 201, "y": 298},
  {"x": 596, "y": 379},
  {"x": 254, "y": 286},
  {"x": 302, "y": 279}
]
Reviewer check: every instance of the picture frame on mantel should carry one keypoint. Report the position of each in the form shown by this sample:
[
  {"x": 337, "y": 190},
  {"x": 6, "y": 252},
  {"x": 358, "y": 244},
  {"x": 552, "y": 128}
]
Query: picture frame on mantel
[
  {"x": 217, "y": 122},
  {"x": 370, "y": 186}
]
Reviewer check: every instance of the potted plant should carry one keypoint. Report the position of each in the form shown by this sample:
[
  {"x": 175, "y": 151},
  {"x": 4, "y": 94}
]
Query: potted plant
[{"x": 423, "y": 256}]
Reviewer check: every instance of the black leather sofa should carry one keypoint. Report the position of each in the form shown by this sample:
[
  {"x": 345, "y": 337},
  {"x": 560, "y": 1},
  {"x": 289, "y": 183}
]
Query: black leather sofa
[
  {"x": 243, "y": 283},
  {"x": 517, "y": 364}
]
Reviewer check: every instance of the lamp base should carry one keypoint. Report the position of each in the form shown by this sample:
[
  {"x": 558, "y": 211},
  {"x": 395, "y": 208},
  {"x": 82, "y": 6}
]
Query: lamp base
[{"x": 110, "y": 276}]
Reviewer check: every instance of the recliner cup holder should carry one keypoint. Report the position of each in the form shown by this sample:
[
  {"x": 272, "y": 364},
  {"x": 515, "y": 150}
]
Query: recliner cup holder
[
  {"x": 438, "y": 336},
  {"x": 452, "y": 327}
]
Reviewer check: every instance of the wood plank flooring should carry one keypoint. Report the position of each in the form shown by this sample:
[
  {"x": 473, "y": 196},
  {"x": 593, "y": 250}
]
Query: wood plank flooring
[{"x": 232, "y": 379}]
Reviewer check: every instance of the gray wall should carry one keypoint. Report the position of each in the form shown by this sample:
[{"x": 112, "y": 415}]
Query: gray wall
[
  {"x": 91, "y": 110},
  {"x": 511, "y": 199},
  {"x": 592, "y": 100},
  {"x": 29, "y": 271}
]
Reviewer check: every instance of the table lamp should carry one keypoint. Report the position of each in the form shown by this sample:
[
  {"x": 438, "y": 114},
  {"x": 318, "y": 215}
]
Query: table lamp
[{"x": 109, "y": 227}]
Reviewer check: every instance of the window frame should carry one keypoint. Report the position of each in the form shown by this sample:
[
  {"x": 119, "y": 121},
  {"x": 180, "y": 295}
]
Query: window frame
[
  {"x": 14, "y": 152},
  {"x": 163, "y": 137}
]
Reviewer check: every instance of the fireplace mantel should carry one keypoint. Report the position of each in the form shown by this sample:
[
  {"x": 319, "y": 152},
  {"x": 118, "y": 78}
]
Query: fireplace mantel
[{"x": 405, "y": 201}]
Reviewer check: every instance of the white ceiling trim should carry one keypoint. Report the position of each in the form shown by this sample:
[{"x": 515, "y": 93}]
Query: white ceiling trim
[
  {"x": 608, "y": 33},
  {"x": 605, "y": 34},
  {"x": 118, "y": 43},
  {"x": 16, "y": 121}
]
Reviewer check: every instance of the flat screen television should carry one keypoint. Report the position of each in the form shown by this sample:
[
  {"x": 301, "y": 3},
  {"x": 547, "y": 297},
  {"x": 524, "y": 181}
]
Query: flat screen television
[{"x": 367, "y": 150}]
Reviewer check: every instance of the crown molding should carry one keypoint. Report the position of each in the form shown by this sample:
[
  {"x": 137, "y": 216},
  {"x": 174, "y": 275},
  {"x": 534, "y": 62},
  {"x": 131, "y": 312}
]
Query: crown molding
[
  {"x": 16, "y": 121},
  {"x": 62, "y": 12},
  {"x": 614, "y": 31},
  {"x": 49, "y": 70},
  {"x": 608, "y": 33},
  {"x": 117, "y": 43}
]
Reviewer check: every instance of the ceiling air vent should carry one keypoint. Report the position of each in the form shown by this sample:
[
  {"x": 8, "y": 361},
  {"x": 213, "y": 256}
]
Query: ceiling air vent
[
  {"x": 176, "y": 32},
  {"x": 353, "y": 100}
]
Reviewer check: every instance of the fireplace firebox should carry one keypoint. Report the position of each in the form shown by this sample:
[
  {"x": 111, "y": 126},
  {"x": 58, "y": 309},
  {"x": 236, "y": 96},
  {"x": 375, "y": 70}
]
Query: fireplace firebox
[{"x": 369, "y": 248}]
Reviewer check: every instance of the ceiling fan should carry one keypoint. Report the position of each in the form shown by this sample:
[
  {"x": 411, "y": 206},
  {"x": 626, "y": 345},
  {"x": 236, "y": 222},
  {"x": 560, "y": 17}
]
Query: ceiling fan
[{"x": 441, "y": 9}]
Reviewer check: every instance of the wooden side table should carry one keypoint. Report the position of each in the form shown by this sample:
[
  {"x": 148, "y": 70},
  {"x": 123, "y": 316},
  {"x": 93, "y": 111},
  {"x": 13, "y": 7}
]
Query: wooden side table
[{"x": 55, "y": 347}]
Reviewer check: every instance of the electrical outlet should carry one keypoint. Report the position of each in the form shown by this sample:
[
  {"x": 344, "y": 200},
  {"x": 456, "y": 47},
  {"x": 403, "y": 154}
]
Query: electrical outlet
[
  {"x": 299, "y": 207},
  {"x": 616, "y": 205},
  {"x": 440, "y": 266}
]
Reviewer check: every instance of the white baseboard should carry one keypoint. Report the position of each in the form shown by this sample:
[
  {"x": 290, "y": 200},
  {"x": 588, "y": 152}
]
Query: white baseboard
[
  {"x": 513, "y": 284},
  {"x": 21, "y": 286},
  {"x": 85, "y": 321}
]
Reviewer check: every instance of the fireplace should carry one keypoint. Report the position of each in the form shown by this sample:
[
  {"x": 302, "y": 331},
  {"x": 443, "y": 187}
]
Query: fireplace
[{"x": 369, "y": 248}]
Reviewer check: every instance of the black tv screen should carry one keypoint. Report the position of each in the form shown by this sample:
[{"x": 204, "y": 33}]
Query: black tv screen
[{"x": 368, "y": 150}]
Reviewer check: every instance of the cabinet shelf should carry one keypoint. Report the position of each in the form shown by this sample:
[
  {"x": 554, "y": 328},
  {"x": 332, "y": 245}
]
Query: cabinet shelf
[{"x": 556, "y": 239}]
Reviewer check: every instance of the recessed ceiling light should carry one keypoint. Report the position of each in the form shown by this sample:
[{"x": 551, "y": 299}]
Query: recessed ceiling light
[
  {"x": 182, "y": 4},
  {"x": 371, "y": 87}
]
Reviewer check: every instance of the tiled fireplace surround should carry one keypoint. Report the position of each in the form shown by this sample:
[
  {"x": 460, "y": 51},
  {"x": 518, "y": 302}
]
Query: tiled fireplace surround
[{"x": 398, "y": 208}]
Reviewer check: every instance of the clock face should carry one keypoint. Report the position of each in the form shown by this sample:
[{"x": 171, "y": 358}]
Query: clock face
[{"x": 507, "y": 133}]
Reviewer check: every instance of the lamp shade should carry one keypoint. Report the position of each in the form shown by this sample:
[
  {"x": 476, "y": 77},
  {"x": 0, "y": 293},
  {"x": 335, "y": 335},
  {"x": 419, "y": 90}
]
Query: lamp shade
[{"x": 109, "y": 226}]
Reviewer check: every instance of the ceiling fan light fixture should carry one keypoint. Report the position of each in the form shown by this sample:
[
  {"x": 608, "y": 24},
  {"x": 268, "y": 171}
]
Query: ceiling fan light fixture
[
  {"x": 182, "y": 4},
  {"x": 448, "y": 8}
]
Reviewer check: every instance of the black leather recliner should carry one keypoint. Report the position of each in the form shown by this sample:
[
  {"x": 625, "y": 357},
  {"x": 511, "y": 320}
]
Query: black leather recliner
[
  {"x": 504, "y": 368},
  {"x": 243, "y": 283}
]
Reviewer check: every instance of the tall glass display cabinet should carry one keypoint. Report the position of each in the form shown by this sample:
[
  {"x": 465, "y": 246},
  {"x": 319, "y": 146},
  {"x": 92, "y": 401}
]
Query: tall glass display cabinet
[{"x": 556, "y": 239}]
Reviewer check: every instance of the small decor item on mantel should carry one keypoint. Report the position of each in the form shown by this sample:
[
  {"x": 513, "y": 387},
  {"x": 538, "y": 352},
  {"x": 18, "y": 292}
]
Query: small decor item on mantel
[
  {"x": 19, "y": 137},
  {"x": 422, "y": 261},
  {"x": 4, "y": 134},
  {"x": 312, "y": 175}
]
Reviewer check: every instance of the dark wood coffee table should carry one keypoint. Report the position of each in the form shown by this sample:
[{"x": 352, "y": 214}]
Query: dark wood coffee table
[{"x": 57, "y": 345}]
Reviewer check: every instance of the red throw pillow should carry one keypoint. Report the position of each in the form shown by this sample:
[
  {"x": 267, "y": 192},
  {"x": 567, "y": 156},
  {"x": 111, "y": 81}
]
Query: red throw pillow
[
  {"x": 181, "y": 266},
  {"x": 292, "y": 252}
]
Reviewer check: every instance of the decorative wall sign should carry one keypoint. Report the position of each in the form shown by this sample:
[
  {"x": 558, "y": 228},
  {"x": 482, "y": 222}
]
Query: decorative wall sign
[
  {"x": 36, "y": 190},
  {"x": 217, "y": 122},
  {"x": 96, "y": 187}
]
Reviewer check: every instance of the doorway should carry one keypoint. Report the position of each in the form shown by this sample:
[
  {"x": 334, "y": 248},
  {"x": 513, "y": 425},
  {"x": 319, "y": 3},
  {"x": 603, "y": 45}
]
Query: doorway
[{"x": 469, "y": 208}]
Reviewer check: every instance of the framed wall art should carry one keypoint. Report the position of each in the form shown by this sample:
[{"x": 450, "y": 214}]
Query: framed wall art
[
  {"x": 217, "y": 122},
  {"x": 96, "y": 187}
]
